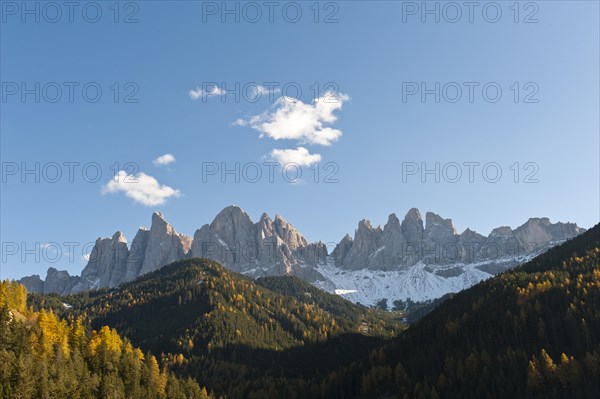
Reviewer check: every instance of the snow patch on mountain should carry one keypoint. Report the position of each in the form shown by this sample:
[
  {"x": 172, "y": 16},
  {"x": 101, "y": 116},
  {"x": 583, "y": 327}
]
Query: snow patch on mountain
[{"x": 419, "y": 282}]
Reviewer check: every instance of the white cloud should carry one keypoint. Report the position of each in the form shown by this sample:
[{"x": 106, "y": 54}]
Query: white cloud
[
  {"x": 260, "y": 90},
  {"x": 299, "y": 156},
  {"x": 212, "y": 90},
  {"x": 143, "y": 189},
  {"x": 164, "y": 160},
  {"x": 291, "y": 119}
]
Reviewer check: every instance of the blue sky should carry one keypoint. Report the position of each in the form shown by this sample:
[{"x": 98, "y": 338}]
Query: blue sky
[{"x": 370, "y": 55}]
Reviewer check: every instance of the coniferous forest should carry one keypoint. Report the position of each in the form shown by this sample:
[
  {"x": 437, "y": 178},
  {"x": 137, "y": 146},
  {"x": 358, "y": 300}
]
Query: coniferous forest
[
  {"x": 45, "y": 356},
  {"x": 194, "y": 329}
]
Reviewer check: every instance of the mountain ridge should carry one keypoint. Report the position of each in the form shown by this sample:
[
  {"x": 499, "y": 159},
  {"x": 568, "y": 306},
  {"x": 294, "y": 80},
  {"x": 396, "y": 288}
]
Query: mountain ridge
[
  {"x": 228, "y": 329},
  {"x": 275, "y": 247},
  {"x": 531, "y": 331}
]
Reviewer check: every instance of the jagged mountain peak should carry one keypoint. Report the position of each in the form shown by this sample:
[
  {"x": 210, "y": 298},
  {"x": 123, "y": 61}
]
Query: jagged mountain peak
[
  {"x": 281, "y": 223},
  {"x": 501, "y": 231},
  {"x": 164, "y": 245},
  {"x": 269, "y": 246},
  {"x": 433, "y": 219},
  {"x": 119, "y": 237},
  {"x": 58, "y": 281},
  {"x": 437, "y": 225},
  {"x": 232, "y": 210},
  {"x": 265, "y": 216},
  {"x": 468, "y": 233},
  {"x": 288, "y": 233},
  {"x": 393, "y": 219},
  {"x": 365, "y": 224},
  {"x": 231, "y": 225},
  {"x": 265, "y": 226},
  {"x": 542, "y": 220},
  {"x": 412, "y": 226},
  {"x": 413, "y": 213},
  {"x": 231, "y": 214},
  {"x": 392, "y": 228},
  {"x": 160, "y": 223}
]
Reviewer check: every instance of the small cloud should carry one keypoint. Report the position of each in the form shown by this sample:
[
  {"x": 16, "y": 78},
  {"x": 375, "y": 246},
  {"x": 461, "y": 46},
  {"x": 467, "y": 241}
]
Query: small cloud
[
  {"x": 211, "y": 90},
  {"x": 260, "y": 90},
  {"x": 240, "y": 122},
  {"x": 299, "y": 156},
  {"x": 86, "y": 256},
  {"x": 142, "y": 188},
  {"x": 291, "y": 119},
  {"x": 164, "y": 160}
]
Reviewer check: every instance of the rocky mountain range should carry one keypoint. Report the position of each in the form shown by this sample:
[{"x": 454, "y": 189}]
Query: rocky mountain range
[
  {"x": 399, "y": 245},
  {"x": 429, "y": 249}
]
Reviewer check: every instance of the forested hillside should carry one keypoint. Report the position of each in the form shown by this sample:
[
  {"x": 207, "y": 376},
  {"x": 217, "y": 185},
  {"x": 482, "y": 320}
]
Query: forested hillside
[
  {"x": 239, "y": 337},
  {"x": 44, "y": 356},
  {"x": 531, "y": 332}
]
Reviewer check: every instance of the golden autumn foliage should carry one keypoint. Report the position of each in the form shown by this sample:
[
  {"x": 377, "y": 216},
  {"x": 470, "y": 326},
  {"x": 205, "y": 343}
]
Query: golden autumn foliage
[
  {"x": 50, "y": 334},
  {"x": 106, "y": 340},
  {"x": 13, "y": 296},
  {"x": 49, "y": 357}
]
